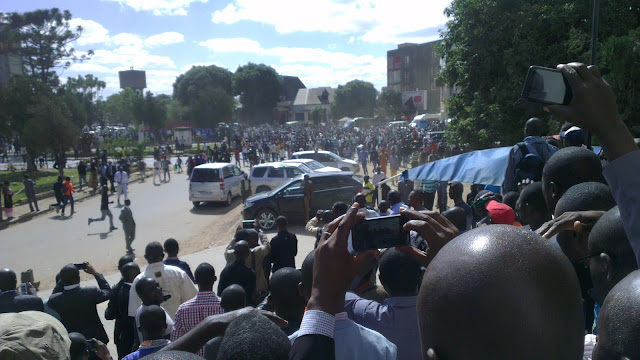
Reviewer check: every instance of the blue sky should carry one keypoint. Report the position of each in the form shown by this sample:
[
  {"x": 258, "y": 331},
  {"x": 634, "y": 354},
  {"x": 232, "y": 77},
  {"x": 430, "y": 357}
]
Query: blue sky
[{"x": 324, "y": 43}]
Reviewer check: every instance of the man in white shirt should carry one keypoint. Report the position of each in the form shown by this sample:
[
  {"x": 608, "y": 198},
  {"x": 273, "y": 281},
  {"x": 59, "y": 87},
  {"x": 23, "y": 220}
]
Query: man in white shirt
[
  {"x": 378, "y": 176},
  {"x": 156, "y": 170},
  {"x": 173, "y": 280},
  {"x": 122, "y": 178}
]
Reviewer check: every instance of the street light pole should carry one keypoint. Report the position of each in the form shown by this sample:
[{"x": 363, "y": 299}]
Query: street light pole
[{"x": 594, "y": 43}]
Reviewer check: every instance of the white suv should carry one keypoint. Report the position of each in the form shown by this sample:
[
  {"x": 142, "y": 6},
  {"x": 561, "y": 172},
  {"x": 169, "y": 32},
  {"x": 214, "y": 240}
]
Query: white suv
[
  {"x": 268, "y": 176},
  {"x": 218, "y": 182},
  {"x": 312, "y": 164},
  {"x": 328, "y": 158}
]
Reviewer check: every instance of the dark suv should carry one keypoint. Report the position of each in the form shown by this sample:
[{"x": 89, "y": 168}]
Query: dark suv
[{"x": 287, "y": 199}]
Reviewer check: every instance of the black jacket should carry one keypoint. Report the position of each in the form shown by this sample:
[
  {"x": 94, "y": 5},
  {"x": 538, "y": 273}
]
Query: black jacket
[
  {"x": 77, "y": 309},
  {"x": 12, "y": 302},
  {"x": 238, "y": 273}
]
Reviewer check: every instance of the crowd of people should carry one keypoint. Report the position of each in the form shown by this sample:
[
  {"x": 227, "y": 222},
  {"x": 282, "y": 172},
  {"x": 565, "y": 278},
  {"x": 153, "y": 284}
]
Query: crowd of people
[{"x": 547, "y": 267}]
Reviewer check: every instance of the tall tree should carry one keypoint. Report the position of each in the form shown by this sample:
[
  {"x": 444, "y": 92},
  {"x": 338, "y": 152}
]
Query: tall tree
[
  {"x": 389, "y": 104},
  {"x": 355, "y": 98},
  {"x": 42, "y": 39},
  {"x": 317, "y": 114},
  {"x": 259, "y": 87},
  {"x": 81, "y": 95},
  {"x": 120, "y": 108},
  {"x": 206, "y": 93}
]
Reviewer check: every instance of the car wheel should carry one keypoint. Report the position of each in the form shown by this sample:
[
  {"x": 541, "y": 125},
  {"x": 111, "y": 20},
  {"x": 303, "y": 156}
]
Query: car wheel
[
  {"x": 196, "y": 204},
  {"x": 345, "y": 169},
  {"x": 266, "y": 219},
  {"x": 262, "y": 189},
  {"x": 229, "y": 198}
]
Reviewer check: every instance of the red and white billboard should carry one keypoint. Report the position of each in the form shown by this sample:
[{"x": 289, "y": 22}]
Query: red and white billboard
[{"x": 414, "y": 100}]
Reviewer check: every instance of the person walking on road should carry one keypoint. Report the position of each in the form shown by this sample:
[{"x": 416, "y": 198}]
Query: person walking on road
[
  {"x": 308, "y": 196},
  {"x": 68, "y": 190},
  {"x": 122, "y": 178},
  {"x": 166, "y": 167},
  {"x": 156, "y": 171},
  {"x": 30, "y": 191},
  {"x": 82, "y": 174},
  {"x": 58, "y": 192},
  {"x": 104, "y": 209},
  {"x": 141, "y": 169},
  {"x": 111, "y": 173},
  {"x": 128, "y": 225},
  {"x": 7, "y": 194},
  {"x": 284, "y": 246}
]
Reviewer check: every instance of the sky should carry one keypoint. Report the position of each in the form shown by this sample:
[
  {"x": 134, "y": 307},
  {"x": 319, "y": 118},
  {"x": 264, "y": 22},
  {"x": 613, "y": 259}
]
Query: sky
[{"x": 324, "y": 43}]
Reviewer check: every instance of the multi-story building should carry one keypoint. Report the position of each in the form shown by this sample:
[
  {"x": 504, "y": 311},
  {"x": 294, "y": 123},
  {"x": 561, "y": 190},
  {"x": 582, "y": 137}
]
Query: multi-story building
[{"x": 413, "y": 67}]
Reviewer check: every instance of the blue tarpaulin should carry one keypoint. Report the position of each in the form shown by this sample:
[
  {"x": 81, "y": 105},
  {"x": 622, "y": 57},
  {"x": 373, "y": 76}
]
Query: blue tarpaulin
[{"x": 476, "y": 167}]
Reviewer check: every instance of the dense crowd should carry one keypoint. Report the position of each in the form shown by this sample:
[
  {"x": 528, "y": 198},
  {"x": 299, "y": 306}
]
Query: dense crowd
[{"x": 546, "y": 269}]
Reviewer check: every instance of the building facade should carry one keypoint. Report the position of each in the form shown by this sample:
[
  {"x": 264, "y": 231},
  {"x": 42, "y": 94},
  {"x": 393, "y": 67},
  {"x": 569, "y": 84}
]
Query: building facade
[{"x": 413, "y": 67}]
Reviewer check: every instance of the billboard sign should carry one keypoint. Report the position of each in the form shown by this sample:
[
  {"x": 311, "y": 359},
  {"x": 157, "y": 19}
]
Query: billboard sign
[{"x": 414, "y": 100}]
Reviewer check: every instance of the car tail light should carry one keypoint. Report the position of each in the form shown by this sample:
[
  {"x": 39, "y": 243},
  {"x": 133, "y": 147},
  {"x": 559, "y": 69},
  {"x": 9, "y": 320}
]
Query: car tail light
[
  {"x": 361, "y": 190},
  {"x": 222, "y": 187}
]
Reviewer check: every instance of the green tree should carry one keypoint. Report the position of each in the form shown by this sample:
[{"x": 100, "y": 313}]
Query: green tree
[
  {"x": 355, "y": 98},
  {"x": 389, "y": 104},
  {"x": 205, "y": 91},
  {"x": 317, "y": 113},
  {"x": 152, "y": 110},
  {"x": 259, "y": 87},
  {"x": 50, "y": 129},
  {"x": 81, "y": 95},
  {"x": 120, "y": 108},
  {"x": 42, "y": 39},
  {"x": 488, "y": 59}
]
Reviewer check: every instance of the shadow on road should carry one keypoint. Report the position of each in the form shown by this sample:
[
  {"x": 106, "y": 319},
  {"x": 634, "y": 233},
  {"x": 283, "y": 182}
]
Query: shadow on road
[
  {"x": 60, "y": 217},
  {"x": 103, "y": 235},
  {"x": 211, "y": 208}
]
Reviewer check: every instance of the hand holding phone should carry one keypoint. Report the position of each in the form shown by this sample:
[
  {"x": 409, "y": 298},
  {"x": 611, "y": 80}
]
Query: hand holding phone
[
  {"x": 380, "y": 233},
  {"x": 80, "y": 266},
  {"x": 546, "y": 86}
]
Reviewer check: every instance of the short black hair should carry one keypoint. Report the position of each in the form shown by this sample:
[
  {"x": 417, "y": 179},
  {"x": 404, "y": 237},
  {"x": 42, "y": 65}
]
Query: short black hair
[
  {"x": 204, "y": 274},
  {"x": 127, "y": 202},
  {"x": 8, "y": 280},
  {"x": 78, "y": 345},
  {"x": 532, "y": 196},
  {"x": 394, "y": 197},
  {"x": 152, "y": 318},
  {"x": 69, "y": 274},
  {"x": 510, "y": 199},
  {"x": 153, "y": 249},
  {"x": 142, "y": 284},
  {"x": 340, "y": 207},
  {"x": 125, "y": 260},
  {"x": 233, "y": 297},
  {"x": 254, "y": 337},
  {"x": 171, "y": 246},
  {"x": 128, "y": 269},
  {"x": 172, "y": 355},
  {"x": 571, "y": 166},
  {"x": 284, "y": 287},
  {"x": 307, "y": 272},
  {"x": 400, "y": 273},
  {"x": 457, "y": 216},
  {"x": 586, "y": 196},
  {"x": 281, "y": 220}
]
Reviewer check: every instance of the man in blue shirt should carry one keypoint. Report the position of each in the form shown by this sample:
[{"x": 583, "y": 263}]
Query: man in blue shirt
[
  {"x": 396, "y": 318},
  {"x": 172, "y": 248},
  {"x": 455, "y": 194},
  {"x": 396, "y": 203},
  {"x": 153, "y": 325}
]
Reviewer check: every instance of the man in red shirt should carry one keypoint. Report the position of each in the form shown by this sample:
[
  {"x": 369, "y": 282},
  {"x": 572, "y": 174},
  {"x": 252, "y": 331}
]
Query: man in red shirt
[{"x": 68, "y": 190}]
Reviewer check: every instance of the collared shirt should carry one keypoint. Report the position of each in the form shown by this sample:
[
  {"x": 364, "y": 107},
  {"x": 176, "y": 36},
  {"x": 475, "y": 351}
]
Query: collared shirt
[
  {"x": 396, "y": 319},
  {"x": 71, "y": 287},
  {"x": 122, "y": 177},
  {"x": 192, "y": 312},
  {"x": 172, "y": 280},
  {"x": 147, "y": 347},
  {"x": 395, "y": 208},
  {"x": 622, "y": 175},
  {"x": 353, "y": 341},
  {"x": 169, "y": 322}
]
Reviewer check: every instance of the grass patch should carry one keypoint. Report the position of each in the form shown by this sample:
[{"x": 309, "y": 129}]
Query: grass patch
[{"x": 44, "y": 180}]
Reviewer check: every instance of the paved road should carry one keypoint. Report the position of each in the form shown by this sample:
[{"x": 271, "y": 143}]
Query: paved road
[{"x": 49, "y": 241}]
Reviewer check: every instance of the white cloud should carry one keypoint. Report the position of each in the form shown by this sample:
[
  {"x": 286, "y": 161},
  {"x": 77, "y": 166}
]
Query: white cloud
[
  {"x": 165, "y": 38},
  {"x": 93, "y": 32},
  {"x": 159, "y": 7},
  {"x": 232, "y": 45},
  {"x": 370, "y": 20},
  {"x": 127, "y": 39},
  {"x": 352, "y": 39}
]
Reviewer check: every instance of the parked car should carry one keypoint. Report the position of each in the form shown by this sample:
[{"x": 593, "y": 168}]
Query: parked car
[
  {"x": 215, "y": 182},
  {"x": 268, "y": 176},
  {"x": 312, "y": 164},
  {"x": 328, "y": 158},
  {"x": 288, "y": 199}
]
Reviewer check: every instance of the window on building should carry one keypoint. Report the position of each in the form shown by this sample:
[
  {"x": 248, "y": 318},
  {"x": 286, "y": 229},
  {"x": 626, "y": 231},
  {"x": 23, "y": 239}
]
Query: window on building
[
  {"x": 433, "y": 83},
  {"x": 406, "y": 59}
]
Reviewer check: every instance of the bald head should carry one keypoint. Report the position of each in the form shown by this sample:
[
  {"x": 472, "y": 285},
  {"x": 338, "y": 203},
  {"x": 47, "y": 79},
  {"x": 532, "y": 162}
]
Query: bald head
[
  {"x": 493, "y": 275},
  {"x": 614, "y": 258},
  {"x": 8, "y": 280},
  {"x": 534, "y": 127},
  {"x": 241, "y": 250},
  {"x": 619, "y": 321},
  {"x": 233, "y": 297}
]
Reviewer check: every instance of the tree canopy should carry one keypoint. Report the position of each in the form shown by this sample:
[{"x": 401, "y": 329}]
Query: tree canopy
[
  {"x": 205, "y": 91},
  {"x": 259, "y": 87},
  {"x": 355, "y": 98},
  {"x": 389, "y": 104}
]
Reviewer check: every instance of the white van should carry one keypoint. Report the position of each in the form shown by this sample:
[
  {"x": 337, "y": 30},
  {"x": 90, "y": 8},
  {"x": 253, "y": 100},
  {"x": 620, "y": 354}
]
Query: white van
[
  {"x": 422, "y": 121},
  {"x": 218, "y": 182}
]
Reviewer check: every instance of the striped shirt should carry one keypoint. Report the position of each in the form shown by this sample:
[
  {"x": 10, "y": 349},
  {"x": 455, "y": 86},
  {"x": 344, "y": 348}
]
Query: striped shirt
[{"x": 193, "y": 311}]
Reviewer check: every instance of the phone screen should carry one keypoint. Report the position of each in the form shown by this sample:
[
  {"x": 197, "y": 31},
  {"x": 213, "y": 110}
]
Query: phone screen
[
  {"x": 546, "y": 86},
  {"x": 380, "y": 233},
  {"x": 248, "y": 224},
  {"x": 80, "y": 266}
]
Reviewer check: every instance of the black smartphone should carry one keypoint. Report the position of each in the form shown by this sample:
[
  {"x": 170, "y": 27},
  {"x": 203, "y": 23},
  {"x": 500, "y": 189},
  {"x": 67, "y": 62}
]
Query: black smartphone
[
  {"x": 247, "y": 224},
  {"x": 80, "y": 266},
  {"x": 380, "y": 233},
  {"x": 546, "y": 86},
  {"x": 91, "y": 345}
]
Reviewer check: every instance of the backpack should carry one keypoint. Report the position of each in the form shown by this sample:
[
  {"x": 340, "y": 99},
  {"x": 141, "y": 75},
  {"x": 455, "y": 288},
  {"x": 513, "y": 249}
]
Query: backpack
[{"x": 530, "y": 165}]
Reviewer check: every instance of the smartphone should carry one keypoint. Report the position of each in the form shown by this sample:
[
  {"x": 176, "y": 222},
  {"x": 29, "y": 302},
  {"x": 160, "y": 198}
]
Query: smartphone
[
  {"x": 91, "y": 345},
  {"x": 248, "y": 224},
  {"x": 546, "y": 86},
  {"x": 80, "y": 266},
  {"x": 380, "y": 233}
]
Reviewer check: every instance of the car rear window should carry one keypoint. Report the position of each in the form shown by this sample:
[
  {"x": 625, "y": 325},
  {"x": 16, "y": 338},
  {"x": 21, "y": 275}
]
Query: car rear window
[
  {"x": 259, "y": 172},
  {"x": 205, "y": 175}
]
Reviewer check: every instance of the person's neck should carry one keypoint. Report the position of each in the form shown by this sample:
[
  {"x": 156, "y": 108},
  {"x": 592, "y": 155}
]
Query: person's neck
[
  {"x": 205, "y": 288},
  {"x": 458, "y": 200}
]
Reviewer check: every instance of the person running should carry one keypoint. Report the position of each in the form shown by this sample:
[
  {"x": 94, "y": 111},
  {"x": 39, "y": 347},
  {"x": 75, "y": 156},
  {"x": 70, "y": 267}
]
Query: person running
[
  {"x": 67, "y": 190},
  {"x": 30, "y": 192},
  {"x": 58, "y": 192},
  {"x": 104, "y": 209}
]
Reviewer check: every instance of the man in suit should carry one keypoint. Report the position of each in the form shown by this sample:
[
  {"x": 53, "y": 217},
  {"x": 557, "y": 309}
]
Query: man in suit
[
  {"x": 111, "y": 173},
  {"x": 128, "y": 224},
  {"x": 124, "y": 332},
  {"x": 77, "y": 305},
  {"x": 10, "y": 300}
]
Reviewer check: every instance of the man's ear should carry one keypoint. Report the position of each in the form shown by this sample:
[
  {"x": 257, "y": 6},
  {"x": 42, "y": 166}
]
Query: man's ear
[
  {"x": 301, "y": 290},
  {"x": 431, "y": 355},
  {"x": 555, "y": 190},
  {"x": 607, "y": 266}
]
